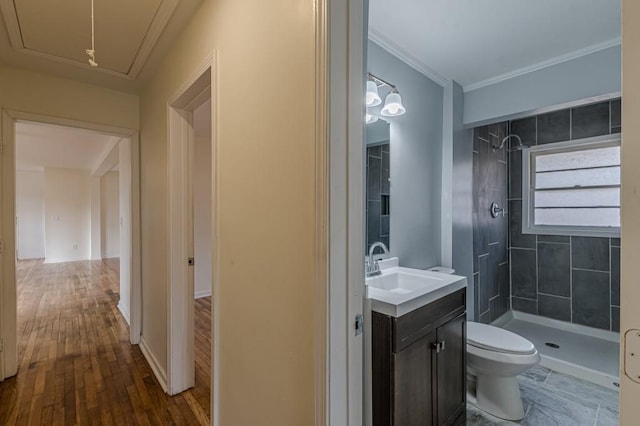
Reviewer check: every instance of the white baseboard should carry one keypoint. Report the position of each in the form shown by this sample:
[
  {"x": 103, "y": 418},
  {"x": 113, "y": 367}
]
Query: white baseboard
[
  {"x": 62, "y": 260},
  {"x": 30, "y": 257},
  {"x": 160, "y": 374},
  {"x": 124, "y": 313},
  {"x": 200, "y": 294}
]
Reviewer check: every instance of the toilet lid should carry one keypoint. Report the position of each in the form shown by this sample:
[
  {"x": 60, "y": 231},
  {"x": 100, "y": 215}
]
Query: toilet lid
[{"x": 496, "y": 339}]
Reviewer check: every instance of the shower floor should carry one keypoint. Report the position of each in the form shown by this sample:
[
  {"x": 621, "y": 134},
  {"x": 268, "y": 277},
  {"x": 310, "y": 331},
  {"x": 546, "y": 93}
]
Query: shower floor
[{"x": 591, "y": 355}]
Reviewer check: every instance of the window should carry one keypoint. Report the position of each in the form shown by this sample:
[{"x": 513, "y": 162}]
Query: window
[{"x": 572, "y": 188}]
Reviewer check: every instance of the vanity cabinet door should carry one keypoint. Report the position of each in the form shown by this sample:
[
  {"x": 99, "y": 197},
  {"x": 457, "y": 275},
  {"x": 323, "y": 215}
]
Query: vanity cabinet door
[
  {"x": 451, "y": 371},
  {"x": 413, "y": 379}
]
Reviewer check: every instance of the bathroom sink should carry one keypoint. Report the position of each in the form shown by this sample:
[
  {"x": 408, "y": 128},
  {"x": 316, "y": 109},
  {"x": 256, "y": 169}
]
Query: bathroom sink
[{"x": 398, "y": 291}]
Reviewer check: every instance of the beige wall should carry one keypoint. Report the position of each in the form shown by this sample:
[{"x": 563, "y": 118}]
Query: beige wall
[
  {"x": 33, "y": 92},
  {"x": 67, "y": 200},
  {"x": 265, "y": 109},
  {"x": 629, "y": 289},
  {"x": 110, "y": 215}
]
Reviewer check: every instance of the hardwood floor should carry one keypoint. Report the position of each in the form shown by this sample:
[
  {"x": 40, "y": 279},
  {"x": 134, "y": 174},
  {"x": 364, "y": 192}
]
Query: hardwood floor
[
  {"x": 76, "y": 365},
  {"x": 112, "y": 263},
  {"x": 202, "y": 338}
]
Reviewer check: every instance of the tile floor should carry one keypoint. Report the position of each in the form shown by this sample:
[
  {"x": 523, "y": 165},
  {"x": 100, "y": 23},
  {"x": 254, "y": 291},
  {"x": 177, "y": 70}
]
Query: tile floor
[{"x": 555, "y": 399}]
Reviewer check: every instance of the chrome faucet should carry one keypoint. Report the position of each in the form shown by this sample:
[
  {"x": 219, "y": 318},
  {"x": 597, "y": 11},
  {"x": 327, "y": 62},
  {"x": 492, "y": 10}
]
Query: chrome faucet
[{"x": 371, "y": 267}]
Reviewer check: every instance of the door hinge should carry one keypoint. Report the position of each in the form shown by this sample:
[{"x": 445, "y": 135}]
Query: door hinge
[
  {"x": 1, "y": 345},
  {"x": 359, "y": 324},
  {"x": 1, "y": 247}
]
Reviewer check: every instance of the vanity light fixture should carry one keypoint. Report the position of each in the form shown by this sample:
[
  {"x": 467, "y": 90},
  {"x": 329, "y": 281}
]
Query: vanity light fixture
[
  {"x": 393, "y": 106},
  {"x": 370, "y": 118},
  {"x": 372, "y": 98}
]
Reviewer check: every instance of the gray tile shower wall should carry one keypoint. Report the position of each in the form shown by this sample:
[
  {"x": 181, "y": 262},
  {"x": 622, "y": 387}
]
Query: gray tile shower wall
[
  {"x": 574, "y": 279},
  {"x": 490, "y": 235},
  {"x": 378, "y": 202}
]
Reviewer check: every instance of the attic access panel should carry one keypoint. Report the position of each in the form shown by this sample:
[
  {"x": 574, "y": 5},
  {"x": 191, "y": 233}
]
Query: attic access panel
[{"x": 126, "y": 30}]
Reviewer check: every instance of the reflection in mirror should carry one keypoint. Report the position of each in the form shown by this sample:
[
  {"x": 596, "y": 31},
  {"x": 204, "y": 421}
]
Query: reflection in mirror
[{"x": 378, "y": 183}]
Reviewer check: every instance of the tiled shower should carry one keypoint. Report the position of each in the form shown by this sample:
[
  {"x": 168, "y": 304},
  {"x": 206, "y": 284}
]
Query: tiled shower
[
  {"x": 573, "y": 279},
  {"x": 378, "y": 190}
]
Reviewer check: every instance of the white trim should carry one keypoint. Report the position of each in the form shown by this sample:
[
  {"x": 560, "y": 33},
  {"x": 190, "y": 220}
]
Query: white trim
[
  {"x": 201, "y": 294},
  {"x": 544, "y": 64},
  {"x": 346, "y": 79},
  {"x": 104, "y": 163},
  {"x": 157, "y": 26},
  {"x": 158, "y": 371},
  {"x": 8, "y": 9},
  {"x": 180, "y": 312},
  {"x": 154, "y": 31},
  {"x": 321, "y": 285},
  {"x": 406, "y": 57},
  {"x": 215, "y": 251},
  {"x": 528, "y": 218},
  {"x": 124, "y": 313},
  {"x": 65, "y": 259}
]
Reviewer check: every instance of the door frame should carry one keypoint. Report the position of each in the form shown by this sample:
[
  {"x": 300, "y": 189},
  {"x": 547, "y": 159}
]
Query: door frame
[
  {"x": 8, "y": 301},
  {"x": 180, "y": 304},
  {"x": 345, "y": 67}
]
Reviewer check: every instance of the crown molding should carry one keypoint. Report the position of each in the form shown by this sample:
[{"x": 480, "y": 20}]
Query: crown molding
[
  {"x": 406, "y": 57},
  {"x": 154, "y": 31},
  {"x": 544, "y": 64}
]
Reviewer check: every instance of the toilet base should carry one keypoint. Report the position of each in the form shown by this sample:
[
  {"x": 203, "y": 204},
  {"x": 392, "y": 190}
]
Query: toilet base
[{"x": 496, "y": 395}]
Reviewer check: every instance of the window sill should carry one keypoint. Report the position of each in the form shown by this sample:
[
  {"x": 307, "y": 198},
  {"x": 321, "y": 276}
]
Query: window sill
[{"x": 574, "y": 232}]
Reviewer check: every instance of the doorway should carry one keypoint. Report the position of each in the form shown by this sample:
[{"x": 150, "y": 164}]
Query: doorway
[
  {"x": 192, "y": 268},
  {"x": 51, "y": 190}
]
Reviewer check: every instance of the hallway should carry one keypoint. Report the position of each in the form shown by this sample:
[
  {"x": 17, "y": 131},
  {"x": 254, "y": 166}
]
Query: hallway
[{"x": 76, "y": 365}]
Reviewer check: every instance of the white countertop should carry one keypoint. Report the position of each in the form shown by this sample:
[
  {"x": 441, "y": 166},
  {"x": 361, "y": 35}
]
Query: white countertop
[{"x": 399, "y": 290}]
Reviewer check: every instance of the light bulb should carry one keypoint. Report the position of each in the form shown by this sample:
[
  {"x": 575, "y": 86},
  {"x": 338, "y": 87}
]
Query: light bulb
[
  {"x": 368, "y": 118},
  {"x": 372, "y": 98},
  {"x": 393, "y": 105}
]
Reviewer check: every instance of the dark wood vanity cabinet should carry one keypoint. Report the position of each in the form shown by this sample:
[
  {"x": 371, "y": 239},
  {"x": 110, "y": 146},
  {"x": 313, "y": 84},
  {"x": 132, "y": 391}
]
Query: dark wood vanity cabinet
[{"x": 419, "y": 365}]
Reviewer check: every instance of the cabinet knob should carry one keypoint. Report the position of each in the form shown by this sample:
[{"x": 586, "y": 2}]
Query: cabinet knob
[{"x": 438, "y": 345}]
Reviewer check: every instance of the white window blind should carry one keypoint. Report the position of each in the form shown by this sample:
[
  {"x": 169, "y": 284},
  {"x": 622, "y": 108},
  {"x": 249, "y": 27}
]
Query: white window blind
[{"x": 573, "y": 188}]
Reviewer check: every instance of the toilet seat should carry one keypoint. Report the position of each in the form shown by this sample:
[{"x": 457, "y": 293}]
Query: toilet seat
[{"x": 491, "y": 338}]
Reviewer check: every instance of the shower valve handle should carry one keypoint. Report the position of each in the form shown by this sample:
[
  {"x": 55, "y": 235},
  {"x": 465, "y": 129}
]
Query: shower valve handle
[{"x": 496, "y": 210}]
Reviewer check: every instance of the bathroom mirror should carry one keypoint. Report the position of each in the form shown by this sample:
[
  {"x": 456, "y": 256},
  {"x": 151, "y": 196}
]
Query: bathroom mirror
[{"x": 378, "y": 182}]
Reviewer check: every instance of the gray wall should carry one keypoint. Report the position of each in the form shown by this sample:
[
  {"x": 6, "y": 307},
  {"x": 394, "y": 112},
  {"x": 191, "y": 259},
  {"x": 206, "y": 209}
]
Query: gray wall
[
  {"x": 490, "y": 242},
  {"x": 461, "y": 186},
  {"x": 416, "y": 153},
  {"x": 596, "y": 74},
  {"x": 575, "y": 279}
]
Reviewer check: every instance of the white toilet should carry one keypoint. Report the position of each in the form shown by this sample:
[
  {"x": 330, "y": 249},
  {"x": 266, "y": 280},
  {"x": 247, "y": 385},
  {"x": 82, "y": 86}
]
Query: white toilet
[{"x": 494, "y": 358}]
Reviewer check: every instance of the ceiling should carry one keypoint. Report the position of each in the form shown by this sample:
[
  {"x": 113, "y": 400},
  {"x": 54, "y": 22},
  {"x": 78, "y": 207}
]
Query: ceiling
[
  {"x": 475, "y": 42},
  {"x": 45, "y": 145},
  {"x": 131, "y": 37}
]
